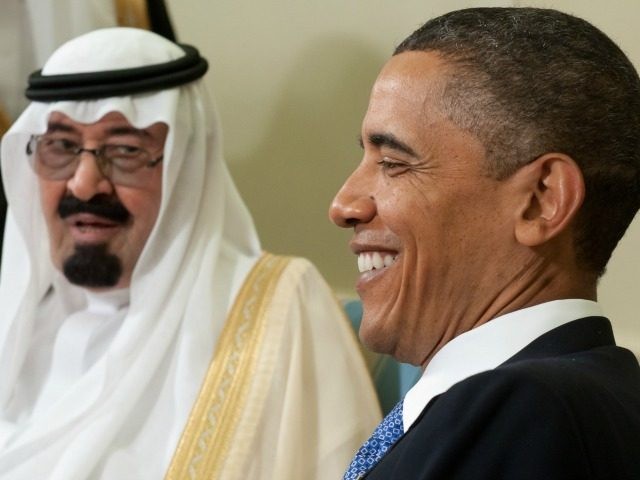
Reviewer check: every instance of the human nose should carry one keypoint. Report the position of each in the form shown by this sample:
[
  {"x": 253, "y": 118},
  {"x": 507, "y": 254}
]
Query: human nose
[
  {"x": 354, "y": 203},
  {"x": 88, "y": 180}
]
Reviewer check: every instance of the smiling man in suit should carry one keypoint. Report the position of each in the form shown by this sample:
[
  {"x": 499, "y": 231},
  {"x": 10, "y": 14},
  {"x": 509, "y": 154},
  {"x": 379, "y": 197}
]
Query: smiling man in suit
[{"x": 501, "y": 167}]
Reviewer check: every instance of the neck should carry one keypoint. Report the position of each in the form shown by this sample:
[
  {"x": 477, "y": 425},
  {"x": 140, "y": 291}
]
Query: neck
[{"x": 541, "y": 281}]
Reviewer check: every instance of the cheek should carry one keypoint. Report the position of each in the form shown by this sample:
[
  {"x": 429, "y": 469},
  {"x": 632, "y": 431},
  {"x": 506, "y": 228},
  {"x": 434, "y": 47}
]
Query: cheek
[
  {"x": 411, "y": 219},
  {"x": 153, "y": 209},
  {"x": 143, "y": 206},
  {"x": 60, "y": 244},
  {"x": 50, "y": 195}
]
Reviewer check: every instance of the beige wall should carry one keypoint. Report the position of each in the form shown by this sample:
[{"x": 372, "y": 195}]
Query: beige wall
[{"x": 291, "y": 79}]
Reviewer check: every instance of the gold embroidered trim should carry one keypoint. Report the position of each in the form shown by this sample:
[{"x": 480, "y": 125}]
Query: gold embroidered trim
[
  {"x": 212, "y": 423},
  {"x": 132, "y": 13}
]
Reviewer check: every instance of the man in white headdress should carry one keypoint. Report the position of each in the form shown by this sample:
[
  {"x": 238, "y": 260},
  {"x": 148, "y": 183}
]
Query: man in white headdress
[
  {"x": 143, "y": 334},
  {"x": 30, "y": 31}
]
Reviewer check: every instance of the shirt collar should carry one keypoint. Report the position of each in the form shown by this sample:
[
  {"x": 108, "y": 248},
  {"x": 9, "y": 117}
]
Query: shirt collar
[{"x": 489, "y": 345}]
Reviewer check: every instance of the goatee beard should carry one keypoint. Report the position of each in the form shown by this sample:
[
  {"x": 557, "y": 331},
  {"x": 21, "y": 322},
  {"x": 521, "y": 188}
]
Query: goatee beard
[{"x": 92, "y": 266}]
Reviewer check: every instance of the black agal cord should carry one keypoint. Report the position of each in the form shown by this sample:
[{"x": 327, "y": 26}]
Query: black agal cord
[{"x": 111, "y": 83}]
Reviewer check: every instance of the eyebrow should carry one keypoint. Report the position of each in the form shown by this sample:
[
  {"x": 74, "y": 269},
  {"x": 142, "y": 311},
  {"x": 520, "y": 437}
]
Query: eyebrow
[
  {"x": 390, "y": 141},
  {"x": 127, "y": 131},
  {"x": 60, "y": 127},
  {"x": 115, "y": 131}
]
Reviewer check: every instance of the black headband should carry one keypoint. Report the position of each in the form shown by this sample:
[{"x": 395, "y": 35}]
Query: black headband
[{"x": 111, "y": 83}]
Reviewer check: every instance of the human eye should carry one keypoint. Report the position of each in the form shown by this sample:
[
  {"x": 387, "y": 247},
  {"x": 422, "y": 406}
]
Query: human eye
[
  {"x": 124, "y": 151},
  {"x": 58, "y": 145},
  {"x": 126, "y": 158},
  {"x": 392, "y": 166}
]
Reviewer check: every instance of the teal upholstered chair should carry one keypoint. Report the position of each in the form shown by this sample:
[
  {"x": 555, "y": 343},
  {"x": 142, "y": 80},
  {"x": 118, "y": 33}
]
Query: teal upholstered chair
[{"x": 392, "y": 379}]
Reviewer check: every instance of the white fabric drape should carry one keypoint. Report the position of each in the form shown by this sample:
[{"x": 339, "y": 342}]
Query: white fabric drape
[
  {"x": 30, "y": 30},
  {"x": 202, "y": 246}
]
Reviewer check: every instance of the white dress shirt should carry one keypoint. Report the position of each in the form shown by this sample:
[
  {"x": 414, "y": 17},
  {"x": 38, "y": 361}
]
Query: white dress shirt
[{"x": 487, "y": 346}]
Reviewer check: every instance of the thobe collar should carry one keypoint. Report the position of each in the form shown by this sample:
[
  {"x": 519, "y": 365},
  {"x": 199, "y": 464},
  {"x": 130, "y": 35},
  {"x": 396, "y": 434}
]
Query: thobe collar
[{"x": 107, "y": 302}]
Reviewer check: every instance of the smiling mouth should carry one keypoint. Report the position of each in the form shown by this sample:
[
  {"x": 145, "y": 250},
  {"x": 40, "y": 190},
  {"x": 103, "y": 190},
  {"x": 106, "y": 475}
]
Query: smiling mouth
[{"x": 368, "y": 261}]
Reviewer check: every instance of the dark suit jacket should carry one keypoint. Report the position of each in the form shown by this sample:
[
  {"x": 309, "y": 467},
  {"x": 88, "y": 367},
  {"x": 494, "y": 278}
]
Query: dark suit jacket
[{"x": 566, "y": 407}]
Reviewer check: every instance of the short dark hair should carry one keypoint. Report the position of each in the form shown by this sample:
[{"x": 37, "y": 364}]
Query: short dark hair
[{"x": 530, "y": 81}]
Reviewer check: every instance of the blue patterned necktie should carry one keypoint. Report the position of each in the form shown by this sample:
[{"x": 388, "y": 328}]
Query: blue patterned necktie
[{"x": 382, "y": 438}]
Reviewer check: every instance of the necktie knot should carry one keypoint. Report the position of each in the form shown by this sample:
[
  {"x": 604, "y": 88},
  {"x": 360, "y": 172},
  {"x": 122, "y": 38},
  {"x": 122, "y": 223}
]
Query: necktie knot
[{"x": 381, "y": 440}]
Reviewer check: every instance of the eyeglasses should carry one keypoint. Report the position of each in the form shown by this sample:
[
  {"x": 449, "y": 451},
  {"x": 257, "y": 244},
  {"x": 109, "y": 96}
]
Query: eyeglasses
[{"x": 55, "y": 158}]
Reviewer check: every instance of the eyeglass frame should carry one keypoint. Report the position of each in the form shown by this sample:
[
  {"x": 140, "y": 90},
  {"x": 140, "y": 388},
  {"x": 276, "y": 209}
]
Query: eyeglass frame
[{"x": 97, "y": 153}]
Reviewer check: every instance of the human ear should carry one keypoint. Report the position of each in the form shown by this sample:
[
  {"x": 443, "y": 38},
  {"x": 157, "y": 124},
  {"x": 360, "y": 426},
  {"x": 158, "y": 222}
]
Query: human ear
[{"x": 552, "y": 188}]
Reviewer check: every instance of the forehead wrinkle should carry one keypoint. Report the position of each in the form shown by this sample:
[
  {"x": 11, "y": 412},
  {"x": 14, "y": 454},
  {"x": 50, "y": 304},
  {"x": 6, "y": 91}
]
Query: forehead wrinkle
[
  {"x": 119, "y": 130},
  {"x": 113, "y": 123}
]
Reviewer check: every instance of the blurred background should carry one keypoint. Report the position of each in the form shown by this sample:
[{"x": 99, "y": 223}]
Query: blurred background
[{"x": 291, "y": 80}]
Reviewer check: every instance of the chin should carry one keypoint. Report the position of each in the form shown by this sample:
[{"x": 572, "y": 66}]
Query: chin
[{"x": 374, "y": 336}]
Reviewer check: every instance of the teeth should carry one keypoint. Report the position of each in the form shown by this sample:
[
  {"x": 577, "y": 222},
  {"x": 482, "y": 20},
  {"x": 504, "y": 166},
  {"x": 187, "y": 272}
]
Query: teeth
[
  {"x": 368, "y": 261},
  {"x": 388, "y": 260},
  {"x": 376, "y": 259}
]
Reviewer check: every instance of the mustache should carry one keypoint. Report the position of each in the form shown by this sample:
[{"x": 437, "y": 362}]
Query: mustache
[{"x": 101, "y": 205}]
